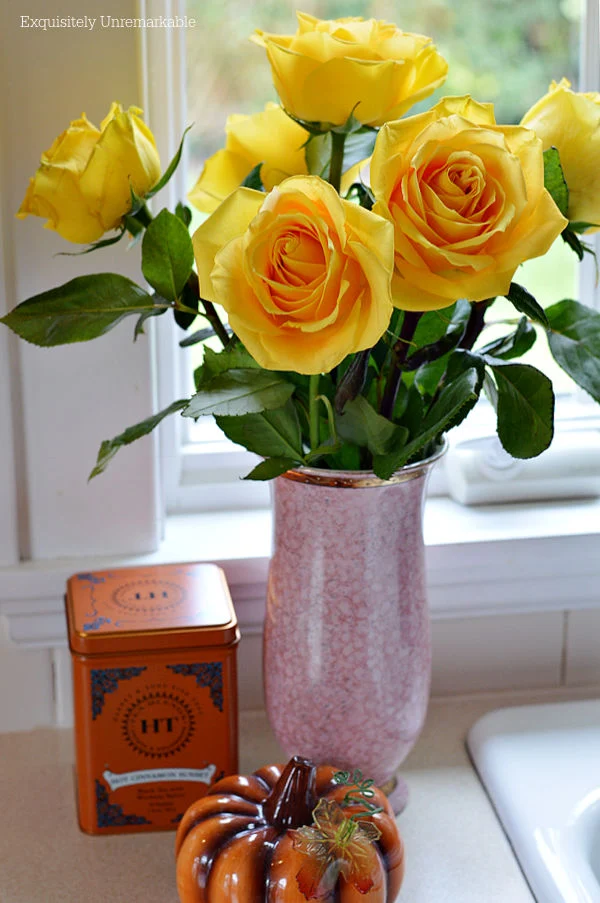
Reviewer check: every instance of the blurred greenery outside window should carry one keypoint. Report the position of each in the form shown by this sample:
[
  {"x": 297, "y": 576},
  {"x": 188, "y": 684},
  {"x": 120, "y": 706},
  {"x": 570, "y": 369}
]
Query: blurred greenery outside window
[{"x": 501, "y": 51}]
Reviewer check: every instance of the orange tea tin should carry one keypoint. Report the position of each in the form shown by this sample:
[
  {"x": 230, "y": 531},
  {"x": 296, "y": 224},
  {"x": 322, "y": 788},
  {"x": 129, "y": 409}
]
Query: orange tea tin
[{"x": 155, "y": 693}]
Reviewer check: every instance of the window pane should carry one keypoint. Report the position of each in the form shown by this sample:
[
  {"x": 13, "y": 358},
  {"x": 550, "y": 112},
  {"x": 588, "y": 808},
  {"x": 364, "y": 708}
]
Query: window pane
[{"x": 503, "y": 51}]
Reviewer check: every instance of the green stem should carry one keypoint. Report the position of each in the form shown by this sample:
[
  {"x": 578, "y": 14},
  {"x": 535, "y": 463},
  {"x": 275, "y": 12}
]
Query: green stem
[
  {"x": 210, "y": 311},
  {"x": 407, "y": 331},
  {"x": 336, "y": 165},
  {"x": 143, "y": 216},
  {"x": 313, "y": 409}
]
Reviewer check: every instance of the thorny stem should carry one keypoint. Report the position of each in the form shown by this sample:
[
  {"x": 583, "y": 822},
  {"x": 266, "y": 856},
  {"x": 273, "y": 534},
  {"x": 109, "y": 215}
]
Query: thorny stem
[{"x": 407, "y": 331}]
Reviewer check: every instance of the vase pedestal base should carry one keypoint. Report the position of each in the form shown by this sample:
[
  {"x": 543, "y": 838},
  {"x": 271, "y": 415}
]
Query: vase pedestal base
[{"x": 396, "y": 790}]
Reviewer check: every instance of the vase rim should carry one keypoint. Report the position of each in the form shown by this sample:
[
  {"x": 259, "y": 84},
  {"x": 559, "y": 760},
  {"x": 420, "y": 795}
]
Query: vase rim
[{"x": 361, "y": 479}]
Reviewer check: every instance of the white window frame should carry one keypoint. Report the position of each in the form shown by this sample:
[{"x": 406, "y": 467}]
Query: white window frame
[{"x": 205, "y": 476}]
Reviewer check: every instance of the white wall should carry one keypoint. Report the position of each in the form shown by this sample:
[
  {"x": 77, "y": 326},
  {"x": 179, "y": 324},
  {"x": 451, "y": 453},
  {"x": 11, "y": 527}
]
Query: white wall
[{"x": 71, "y": 398}]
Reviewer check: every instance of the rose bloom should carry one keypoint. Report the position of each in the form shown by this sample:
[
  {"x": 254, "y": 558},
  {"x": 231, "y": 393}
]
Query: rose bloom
[
  {"x": 269, "y": 137},
  {"x": 83, "y": 183},
  {"x": 571, "y": 122},
  {"x": 332, "y": 68},
  {"x": 467, "y": 201},
  {"x": 304, "y": 275}
]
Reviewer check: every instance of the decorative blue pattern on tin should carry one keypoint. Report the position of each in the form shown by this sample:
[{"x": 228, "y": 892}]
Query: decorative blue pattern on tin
[
  {"x": 96, "y": 624},
  {"x": 109, "y": 814},
  {"x": 207, "y": 674},
  {"x": 91, "y": 578},
  {"x": 106, "y": 680}
]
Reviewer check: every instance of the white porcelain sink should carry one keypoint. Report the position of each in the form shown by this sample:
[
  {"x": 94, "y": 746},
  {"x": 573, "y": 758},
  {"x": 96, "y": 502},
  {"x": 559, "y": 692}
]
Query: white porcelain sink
[{"x": 541, "y": 768}]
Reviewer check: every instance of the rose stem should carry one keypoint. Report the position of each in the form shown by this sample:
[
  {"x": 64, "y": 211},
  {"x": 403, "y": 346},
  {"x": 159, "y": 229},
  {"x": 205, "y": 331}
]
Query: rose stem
[
  {"x": 313, "y": 407},
  {"x": 336, "y": 164},
  {"x": 209, "y": 309},
  {"x": 407, "y": 331},
  {"x": 475, "y": 323}
]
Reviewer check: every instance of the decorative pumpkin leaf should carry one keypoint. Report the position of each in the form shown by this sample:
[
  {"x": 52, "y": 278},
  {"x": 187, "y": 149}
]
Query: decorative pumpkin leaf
[
  {"x": 170, "y": 168},
  {"x": 269, "y": 434},
  {"x": 574, "y": 339},
  {"x": 515, "y": 344},
  {"x": 525, "y": 408},
  {"x": 167, "y": 255},
  {"x": 526, "y": 303},
  {"x": 80, "y": 310},
  {"x": 239, "y": 391},
  {"x": 270, "y": 468},
  {"x": 452, "y": 405},
  {"x": 110, "y": 447},
  {"x": 361, "y": 425},
  {"x": 554, "y": 180}
]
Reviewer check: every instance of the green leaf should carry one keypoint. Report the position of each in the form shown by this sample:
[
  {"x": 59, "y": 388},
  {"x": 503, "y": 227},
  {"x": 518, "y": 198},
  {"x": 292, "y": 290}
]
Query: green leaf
[
  {"x": 167, "y": 255},
  {"x": 270, "y": 468},
  {"x": 183, "y": 213},
  {"x": 80, "y": 310},
  {"x": 358, "y": 146},
  {"x": 189, "y": 299},
  {"x": 455, "y": 330},
  {"x": 361, "y": 425},
  {"x": 110, "y": 447},
  {"x": 330, "y": 447},
  {"x": 95, "y": 246},
  {"x": 574, "y": 242},
  {"x": 453, "y": 404},
  {"x": 240, "y": 391},
  {"x": 253, "y": 179},
  {"x": 554, "y": 180},
  {"x": 525, "y": 409},
  {"x": 234, "y": 358},
  {"x": 170, "y": 168},
  {"x": 139, "y": 326},
  {"x": 582, "y": 227},
  {"x": 269, "y": 434},
  {"x": 526, "y": 303},
  {"x": 515, "y": 344},
  {"x": 574, "y": 339},
  {"x": 201, "y": 335}
]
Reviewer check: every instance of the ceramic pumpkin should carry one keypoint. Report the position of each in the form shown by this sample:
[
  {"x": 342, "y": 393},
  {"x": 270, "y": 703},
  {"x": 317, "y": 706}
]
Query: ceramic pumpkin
[{"x": 282, "y": 835}]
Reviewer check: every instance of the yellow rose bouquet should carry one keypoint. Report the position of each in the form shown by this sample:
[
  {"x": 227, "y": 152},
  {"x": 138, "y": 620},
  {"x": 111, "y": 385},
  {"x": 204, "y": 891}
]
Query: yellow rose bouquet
[{"x": 350, "y": 256}]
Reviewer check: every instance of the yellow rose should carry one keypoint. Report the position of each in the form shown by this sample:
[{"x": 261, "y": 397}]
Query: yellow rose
[
  {"x": 83, "y": 183},
  {"x": 332, "y": 68},
  {"x": 304, "y": 275},
  {"x": 467, "y": 201},
  {"x": 571, "y": 122},
  {"x": 270, "y": 138}
]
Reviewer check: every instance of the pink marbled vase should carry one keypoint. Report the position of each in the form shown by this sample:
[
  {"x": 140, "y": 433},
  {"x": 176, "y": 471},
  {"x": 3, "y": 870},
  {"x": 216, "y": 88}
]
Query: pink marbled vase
[{"x": 347, "y": 650}]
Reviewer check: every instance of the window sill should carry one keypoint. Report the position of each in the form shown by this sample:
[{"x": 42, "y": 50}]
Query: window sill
[{"x": 488, "y": 560}]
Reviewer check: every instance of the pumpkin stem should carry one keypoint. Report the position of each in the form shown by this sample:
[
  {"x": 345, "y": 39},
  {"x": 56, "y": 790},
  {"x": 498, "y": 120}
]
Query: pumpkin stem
[{"x": 292, "y": 799}]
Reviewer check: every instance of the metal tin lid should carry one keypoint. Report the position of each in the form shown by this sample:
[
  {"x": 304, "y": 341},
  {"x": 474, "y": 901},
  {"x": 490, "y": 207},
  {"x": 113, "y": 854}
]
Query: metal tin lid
[{"x": 155, "y": 607}]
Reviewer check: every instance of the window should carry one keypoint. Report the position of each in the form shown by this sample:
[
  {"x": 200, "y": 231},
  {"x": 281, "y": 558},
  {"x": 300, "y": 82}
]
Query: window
[{"x": 506, "y": 53}]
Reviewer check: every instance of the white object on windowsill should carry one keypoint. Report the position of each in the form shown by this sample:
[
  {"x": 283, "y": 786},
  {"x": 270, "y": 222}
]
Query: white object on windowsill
[{"x": 479, "y": 471}]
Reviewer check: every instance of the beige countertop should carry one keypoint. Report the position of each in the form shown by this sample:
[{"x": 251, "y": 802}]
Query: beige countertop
[{"x": 455, "y": 847}]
